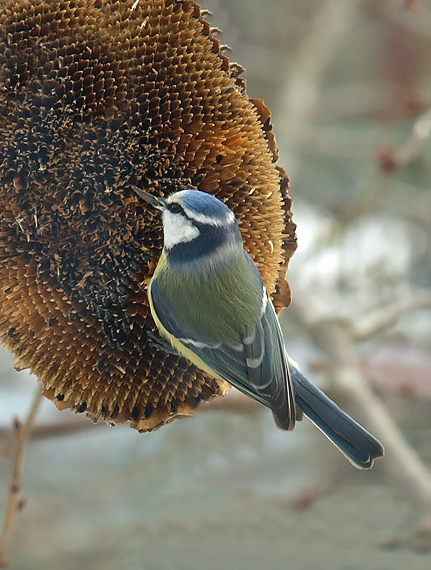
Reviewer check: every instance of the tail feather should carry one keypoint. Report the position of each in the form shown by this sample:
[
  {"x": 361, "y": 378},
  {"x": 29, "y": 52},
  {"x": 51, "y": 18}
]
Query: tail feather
[{"x": 354, "y": 441}]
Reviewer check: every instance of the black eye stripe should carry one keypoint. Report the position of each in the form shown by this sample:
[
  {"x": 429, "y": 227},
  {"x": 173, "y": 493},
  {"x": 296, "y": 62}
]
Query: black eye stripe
[{"x": 175, "y": 208}]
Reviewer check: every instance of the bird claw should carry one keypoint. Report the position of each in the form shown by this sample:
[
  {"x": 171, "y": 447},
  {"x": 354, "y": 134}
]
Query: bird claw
[{"x": 160, "y": 343}]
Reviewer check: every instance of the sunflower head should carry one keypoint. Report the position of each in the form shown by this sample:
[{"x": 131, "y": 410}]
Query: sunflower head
[{"x": 95, "y": 96}]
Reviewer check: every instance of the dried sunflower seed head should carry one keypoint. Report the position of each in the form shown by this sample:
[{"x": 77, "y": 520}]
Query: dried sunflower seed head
[{"x": 97, "y": 95}]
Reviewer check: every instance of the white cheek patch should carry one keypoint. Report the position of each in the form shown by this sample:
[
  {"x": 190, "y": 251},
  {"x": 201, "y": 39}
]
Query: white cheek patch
[{"x": 177, "y": 229}]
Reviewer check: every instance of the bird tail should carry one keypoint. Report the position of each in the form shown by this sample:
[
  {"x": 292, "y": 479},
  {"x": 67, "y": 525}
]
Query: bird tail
[{"x": 354, "y": 441}]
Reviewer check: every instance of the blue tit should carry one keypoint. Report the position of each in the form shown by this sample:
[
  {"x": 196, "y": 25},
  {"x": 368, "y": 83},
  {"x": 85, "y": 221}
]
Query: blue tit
[{"x": 208, "y": 300}]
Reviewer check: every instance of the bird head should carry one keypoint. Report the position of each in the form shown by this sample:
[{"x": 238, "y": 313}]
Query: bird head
[{"x": 195, "y": 224}]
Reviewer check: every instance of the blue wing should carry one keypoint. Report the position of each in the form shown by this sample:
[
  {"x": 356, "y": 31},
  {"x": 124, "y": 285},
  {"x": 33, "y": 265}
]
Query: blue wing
[{"x": 256, "y": 365}]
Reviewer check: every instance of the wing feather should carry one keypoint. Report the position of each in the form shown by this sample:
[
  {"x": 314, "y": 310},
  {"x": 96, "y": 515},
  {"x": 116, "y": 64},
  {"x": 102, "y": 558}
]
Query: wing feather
[{"x": 256, "y": 364}]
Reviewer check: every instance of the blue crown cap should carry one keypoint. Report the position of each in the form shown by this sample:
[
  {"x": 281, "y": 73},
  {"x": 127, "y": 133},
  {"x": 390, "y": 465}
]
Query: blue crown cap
[{"x": 205, "y": 204}]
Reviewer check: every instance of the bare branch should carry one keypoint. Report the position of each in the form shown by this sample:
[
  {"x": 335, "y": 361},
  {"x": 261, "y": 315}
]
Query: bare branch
[
  {"x": 55, "y": 429},
  {"x": 15, "y": 501},
  {"x": 330, "y": 22},
  {"x": 335, "y": 338},
  {"x": 401, "y": 460},
  {"x": 386, "y": 318},
  {"x": 234, "y": 400},
  {"x": 391, "y": 159}
]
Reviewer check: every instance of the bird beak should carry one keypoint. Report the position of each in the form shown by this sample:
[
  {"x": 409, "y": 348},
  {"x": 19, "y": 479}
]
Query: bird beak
[{"x": 156, "y": 201}]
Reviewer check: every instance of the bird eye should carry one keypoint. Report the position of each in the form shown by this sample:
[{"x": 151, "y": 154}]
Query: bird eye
[{"x": 175, "y": 208}]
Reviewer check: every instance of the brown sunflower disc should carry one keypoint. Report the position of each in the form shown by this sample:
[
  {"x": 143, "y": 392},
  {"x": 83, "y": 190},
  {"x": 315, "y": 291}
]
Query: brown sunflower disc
[{"x": 96, "y": 96}]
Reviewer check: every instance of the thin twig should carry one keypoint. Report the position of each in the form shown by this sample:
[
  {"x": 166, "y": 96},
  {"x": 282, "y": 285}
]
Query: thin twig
[
  {"x": 336, "y": 339},
  {"x": 378, "y": 186},
  {"x": 386, "y": 318},
  {"x": 233, "y": 401},
  {"x": 401, "y": 461},
  {"x": 15, "y": 501},
  {"x": 54, "y": 429},
  {"x": 391, "y": 159},
  {"x": 300, "y": 92}
]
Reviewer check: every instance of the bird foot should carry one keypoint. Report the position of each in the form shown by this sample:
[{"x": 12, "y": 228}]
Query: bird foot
[{"x": 160, "y": 343}]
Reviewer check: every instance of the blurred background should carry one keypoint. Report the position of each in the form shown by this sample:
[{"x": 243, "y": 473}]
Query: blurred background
[{"x": 349, "y": 86}]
